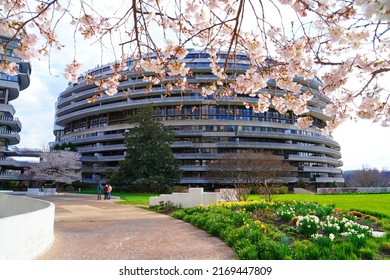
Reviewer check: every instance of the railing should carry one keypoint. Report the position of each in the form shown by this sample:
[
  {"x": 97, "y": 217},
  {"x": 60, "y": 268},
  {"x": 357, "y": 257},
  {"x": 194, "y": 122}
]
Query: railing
[
  {"x": 281, "y": 146},
  {"x": 13, "y": 162},
  {"x": 198, "y": 156},
  {"x": 6, "y": 131},
  {"x": 322, "y": 169},
  {"x": 102, "y": 148},
  {"x": 316, "y": 159},
  {"x": 295, "y": 136},
  {"x": 9, "y": 175},
  {"x": 102, "y": 158}
]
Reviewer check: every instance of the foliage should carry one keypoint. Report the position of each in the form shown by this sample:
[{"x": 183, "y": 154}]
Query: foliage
[
  {"x": 149, "y": 163},
  {"x": 165, "y": 207},
  {"x": 255, "y": 230},
  {"x": 57, "y": 166},
  {"x": 338, "y": 41},
  {"x": 68, "y": 146}
]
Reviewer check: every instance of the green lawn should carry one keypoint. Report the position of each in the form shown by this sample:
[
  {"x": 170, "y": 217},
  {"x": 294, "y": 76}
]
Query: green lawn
[
  {"x": 127, "y": 198},
  {"x": 378, "y": 203},
  {"x": 134, "y": 198}
]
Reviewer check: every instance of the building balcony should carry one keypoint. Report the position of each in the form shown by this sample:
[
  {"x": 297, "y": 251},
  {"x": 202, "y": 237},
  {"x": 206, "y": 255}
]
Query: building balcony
[
  {"x": 9, "y": 162},
  {"x": 193, "y": 167},
  {"x": 13, "y": 176},
  {"x": 83, "y": 139},
  {"x": 289, "y": 136},
  {"x": 99, "y": 170},
  {"x": 26, "y": 152},
  {"x": 102, "y": 148},
  {"x": 101, "y": 158},
  {"x": 280, "y": 146},
  {"x": 322, "y": 169},
  {"x": 7, "y": 108},
  {"x": 12, "y": 84},
  {"x": 329, "y": 179},
  {"x": 327, "y": 160},
  {"x": 194, "y": 180},
  {"x": 182, "y": 144},
  {"x": 12, "y": 137},
  {"x": 13, "y": 123},
  {"x": 197, "y": 156},
  {"x": 24, "y": 74}
]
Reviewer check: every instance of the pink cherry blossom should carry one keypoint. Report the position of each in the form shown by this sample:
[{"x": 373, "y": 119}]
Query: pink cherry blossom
[{"x": 9, "y": 68}]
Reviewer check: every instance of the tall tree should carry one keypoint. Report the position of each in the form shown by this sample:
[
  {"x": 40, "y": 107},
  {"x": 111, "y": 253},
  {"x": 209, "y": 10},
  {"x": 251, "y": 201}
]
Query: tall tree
[
  {"x": 344, "y": 43},
  {"x": 149, "y": 164}
]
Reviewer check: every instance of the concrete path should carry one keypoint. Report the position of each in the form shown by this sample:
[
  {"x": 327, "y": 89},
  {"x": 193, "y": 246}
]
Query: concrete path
[{"x": 90, "y": 229}]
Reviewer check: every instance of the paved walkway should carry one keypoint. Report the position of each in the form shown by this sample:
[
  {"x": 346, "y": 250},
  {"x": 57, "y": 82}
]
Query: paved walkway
[{"x": 86, "y": 228}]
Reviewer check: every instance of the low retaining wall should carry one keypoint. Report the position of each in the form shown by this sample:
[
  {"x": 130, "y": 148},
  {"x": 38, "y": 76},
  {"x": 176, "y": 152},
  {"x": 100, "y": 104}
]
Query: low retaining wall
[
  {"x": 41, "y": 191},
  {"x": 26, "y": 227},
  {"x": 195, "y": 196},
  {"x": 353, "y": 190}
]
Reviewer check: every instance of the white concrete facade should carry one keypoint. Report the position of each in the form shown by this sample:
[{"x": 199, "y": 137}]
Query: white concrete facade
[
  {"x": 26, "y": 227},
  {"x": 195, "y": 196}
]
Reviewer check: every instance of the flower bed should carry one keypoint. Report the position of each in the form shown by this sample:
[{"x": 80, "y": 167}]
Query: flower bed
[{"x": 290, "y": 230}]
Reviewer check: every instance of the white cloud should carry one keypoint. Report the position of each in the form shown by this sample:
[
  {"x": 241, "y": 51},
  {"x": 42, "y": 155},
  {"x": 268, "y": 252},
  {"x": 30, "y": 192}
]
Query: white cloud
[{"x": 363, "y": 143}]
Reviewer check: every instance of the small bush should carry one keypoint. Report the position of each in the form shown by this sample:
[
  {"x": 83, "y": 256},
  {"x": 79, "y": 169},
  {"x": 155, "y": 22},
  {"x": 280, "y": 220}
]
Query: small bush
[
  {"x": 367, "y": 253},
  {"x": 371, "y": 218},
  {"x": 356, "y": 214},
  {"x": 69, "y": 189},
  {"x": 385, "y": 247},
  {"x": 280, "y": 190}
]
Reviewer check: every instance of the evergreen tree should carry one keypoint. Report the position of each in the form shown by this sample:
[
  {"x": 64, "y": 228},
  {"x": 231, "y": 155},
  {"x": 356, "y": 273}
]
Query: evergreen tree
[{"x": 149, "y": 164}]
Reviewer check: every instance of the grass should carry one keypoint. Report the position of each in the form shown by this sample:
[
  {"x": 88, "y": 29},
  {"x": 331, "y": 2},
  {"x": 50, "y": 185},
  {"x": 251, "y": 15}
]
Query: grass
[
  {"x": 369, "y": 203},
  {"x": 134, "y": 198},
  {"x": 127, "y": 198}
]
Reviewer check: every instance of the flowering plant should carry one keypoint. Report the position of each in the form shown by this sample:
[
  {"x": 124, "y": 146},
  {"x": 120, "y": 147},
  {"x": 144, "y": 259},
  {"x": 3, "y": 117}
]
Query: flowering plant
[{"x": 308, "y": 225}]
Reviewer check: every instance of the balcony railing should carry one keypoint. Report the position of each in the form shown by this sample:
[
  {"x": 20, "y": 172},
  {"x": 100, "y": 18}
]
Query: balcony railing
[
  {"x": 328, "y": 160},
  {"x": 280, "y": 146},
  {"x": 292, "y": 136}
]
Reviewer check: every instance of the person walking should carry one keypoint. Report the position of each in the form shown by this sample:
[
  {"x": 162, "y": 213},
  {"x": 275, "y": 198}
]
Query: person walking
[
  {"x": 106, "y": 192},
  {"x": 99, "y": 191},
  {"x": 109, "y": 191}
]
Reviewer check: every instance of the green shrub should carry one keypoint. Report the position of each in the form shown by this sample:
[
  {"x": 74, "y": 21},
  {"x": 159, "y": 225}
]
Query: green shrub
[
  {"x": 367, "y": 253},
  {"x": 305, "y": 250},
  {"x": 280, "y": 190}
]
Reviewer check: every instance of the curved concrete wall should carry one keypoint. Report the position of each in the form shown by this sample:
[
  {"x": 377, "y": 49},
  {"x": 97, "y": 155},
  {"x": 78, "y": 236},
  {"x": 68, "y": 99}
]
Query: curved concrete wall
[{"x": 26, "y": 227}]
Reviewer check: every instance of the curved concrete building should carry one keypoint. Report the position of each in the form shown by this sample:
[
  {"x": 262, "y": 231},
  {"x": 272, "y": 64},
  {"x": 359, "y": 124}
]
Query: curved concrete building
[
  {"x": 205, "y": 128},
  {"x": 10, "y": 86}
]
